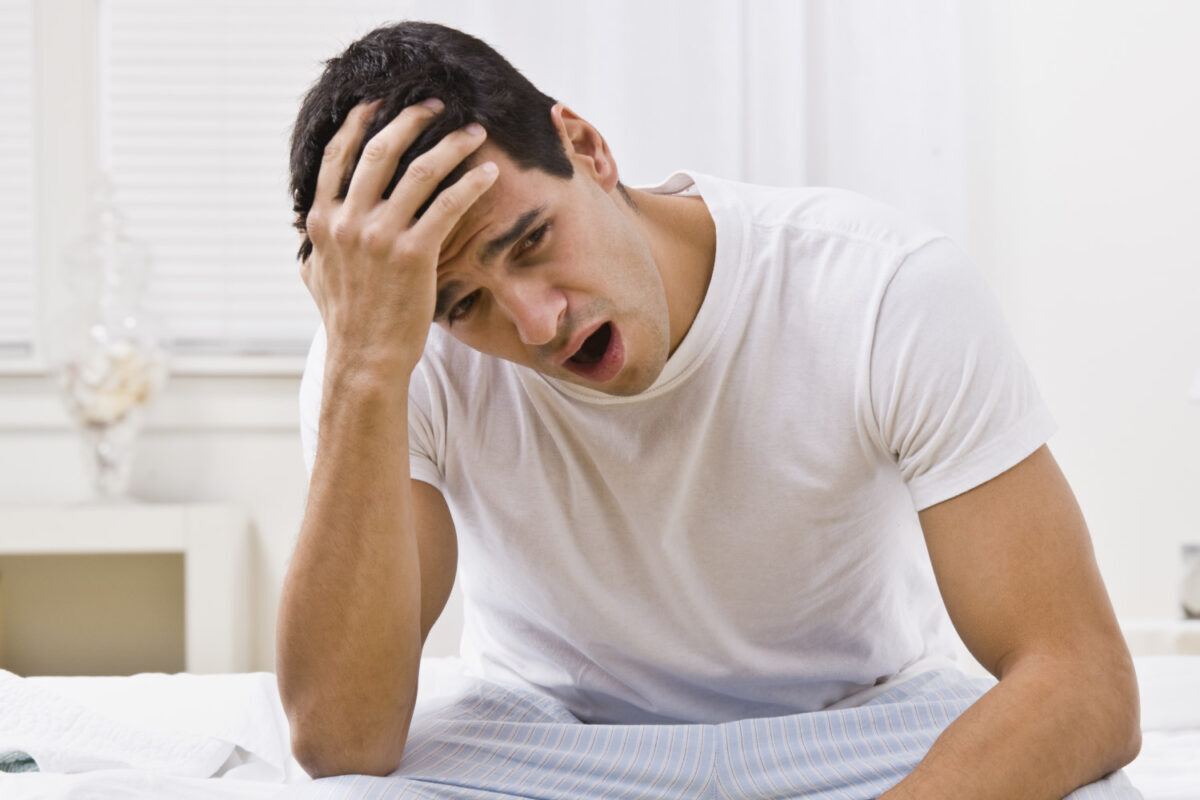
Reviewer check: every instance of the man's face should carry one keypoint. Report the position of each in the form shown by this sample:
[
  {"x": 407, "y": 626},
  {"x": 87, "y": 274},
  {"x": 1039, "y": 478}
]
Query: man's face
[{"x": 555, "y": 274}]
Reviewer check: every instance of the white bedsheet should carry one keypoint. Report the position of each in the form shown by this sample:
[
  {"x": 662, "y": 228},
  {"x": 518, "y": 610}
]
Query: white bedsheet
[
  {"x": 1168, "y": 768},
  {"x": 225, "y": 736},
  {"x": 183, "y": 725}
]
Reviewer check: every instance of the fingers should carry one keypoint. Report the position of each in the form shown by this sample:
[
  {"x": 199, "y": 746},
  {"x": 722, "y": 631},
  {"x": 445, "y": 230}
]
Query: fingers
[
  {"x": 340, "y": 150},
  {"x": 444, "y": 212},
  {"x": 382, "y": 153},
  {"x": 429, "y": 169},
  {"x": 364, "y": 209}
]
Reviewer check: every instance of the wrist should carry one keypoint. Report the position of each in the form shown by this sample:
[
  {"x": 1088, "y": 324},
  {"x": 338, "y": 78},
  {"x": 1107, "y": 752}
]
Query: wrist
[
  {"x": 355, "y": 381},
  {"x": 369, "y": 367}
]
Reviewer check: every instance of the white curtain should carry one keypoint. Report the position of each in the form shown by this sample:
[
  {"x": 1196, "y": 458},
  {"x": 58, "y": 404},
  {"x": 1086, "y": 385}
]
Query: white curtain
[
  {"x": 886, "y": 110},
  {"x": 198, "y": 98},
  {"x": 861, "y": 94}
]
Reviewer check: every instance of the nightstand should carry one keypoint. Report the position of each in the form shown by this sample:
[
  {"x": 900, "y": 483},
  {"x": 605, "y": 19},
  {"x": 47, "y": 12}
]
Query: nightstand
[{"x": 212, "y": 541}]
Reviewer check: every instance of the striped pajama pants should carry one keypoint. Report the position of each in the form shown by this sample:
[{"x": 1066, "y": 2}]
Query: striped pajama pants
[{"x": 497, "y": 743}]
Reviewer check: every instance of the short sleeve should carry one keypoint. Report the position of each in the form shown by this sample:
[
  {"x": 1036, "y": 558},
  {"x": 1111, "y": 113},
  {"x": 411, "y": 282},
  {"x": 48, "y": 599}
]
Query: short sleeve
[
  {"x": 422, "y": 439},
  {"x": 954, "y": 402},
  {"x": 311, "y": 386},
  {"x": 424, "y": 462}
]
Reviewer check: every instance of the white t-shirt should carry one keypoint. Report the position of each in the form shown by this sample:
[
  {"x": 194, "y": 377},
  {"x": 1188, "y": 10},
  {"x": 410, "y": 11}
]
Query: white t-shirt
[{"x": 740, "y": 540}]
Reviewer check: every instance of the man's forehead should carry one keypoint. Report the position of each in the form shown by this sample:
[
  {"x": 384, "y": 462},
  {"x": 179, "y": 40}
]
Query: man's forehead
[
  {"x": 511, "y": 198},
  {"x": 477, "y": 218}
]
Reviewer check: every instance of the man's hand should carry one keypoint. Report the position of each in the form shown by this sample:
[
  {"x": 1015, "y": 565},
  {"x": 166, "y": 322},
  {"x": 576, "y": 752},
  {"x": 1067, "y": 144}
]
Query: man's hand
[{"x": 373, "y": 268}]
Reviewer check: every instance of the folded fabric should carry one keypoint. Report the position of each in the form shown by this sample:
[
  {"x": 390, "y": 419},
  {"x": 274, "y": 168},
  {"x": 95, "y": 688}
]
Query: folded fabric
[
  {"x": 186, "y": 725},
  {"x": 243, "y": 709},
  {"x": 63, "y": 735},
  {"x": 182, "y": 724},
  {"x": 132, "y": 784}
]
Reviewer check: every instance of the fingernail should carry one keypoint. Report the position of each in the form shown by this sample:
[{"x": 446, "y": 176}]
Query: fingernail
[
  {"x": 474, "y": 129},
  {"x": 433, "y": 104},
  {"x": 490, "y": 168}
]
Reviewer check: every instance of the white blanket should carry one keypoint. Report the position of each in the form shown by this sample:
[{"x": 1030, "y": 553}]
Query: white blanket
[
  {"x": 225, "y": 736},
  {"x": 192, "y": 726},
  {"x": 1168, "y": 767},
  {"x": 182, "y": 725}
]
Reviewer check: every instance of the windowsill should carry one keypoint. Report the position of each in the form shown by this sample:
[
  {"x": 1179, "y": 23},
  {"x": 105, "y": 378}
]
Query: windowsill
[
  {"x": 185, "y": 366},
  {"x": 201, "y": 395},
  {"x": 240, "y": 366},
  {"x": 22, "y": 367}
]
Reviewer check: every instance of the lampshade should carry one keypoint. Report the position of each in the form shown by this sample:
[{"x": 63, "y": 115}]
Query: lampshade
[{"x": 1194, "y": 392}]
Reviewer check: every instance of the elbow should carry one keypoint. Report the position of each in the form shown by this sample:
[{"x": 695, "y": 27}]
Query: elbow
[
  {"x": 1133, "y": 746},
  {"x": 1124, "y": 722},
  {"x": 1126, "y": 743},
  {"x": 1129, "y": 728},
  {"x": 325, "y": 756},
  {"x": 356, "y": 741},
  {"x": 1092, "y": 696},
  {"x": 345, "y": 733}
]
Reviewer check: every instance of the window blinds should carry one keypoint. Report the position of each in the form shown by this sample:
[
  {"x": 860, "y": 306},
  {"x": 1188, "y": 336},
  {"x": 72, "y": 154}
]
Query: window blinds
[
  {"x": 18, "y": 318},
  {"x": 197, "y": 102}
]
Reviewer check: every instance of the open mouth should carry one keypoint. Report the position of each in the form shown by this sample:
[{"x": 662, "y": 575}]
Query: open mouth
[
  {"x": 600, "y": 357},
  {"x": 594, "y": 347}
]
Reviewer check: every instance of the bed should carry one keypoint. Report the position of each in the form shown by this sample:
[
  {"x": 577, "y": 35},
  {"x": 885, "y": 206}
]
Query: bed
[{"x": 225, "y": 736}]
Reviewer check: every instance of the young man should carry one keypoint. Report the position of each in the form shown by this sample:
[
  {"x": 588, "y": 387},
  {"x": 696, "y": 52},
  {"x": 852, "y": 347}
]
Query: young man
[{"x": 701, "y": 453}]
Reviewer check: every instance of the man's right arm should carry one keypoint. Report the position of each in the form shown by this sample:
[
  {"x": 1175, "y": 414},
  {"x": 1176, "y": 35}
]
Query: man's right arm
[
  {"x": 376, "y": 554},
  {"x": 372, "y": 568}
]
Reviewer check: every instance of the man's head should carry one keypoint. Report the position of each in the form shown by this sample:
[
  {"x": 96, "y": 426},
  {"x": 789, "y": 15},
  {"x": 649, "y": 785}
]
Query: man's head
[
  {"x": 406, "y": 63},
  {"x": 554, "y": 267}
]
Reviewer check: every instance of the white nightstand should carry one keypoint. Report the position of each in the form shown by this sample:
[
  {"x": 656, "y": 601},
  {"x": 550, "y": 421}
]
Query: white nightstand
[{"x": 213, "y": 541}]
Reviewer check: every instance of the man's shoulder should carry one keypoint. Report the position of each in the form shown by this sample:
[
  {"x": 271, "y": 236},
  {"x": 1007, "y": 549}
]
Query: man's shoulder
[{"x": 817, "y": 211}]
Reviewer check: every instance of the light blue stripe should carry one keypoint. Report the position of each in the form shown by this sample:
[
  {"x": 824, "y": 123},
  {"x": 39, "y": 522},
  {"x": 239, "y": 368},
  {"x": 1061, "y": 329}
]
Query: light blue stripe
[
  {"x": 607, "y": 759},
  {"x": 621, "y": 737},
  {"x": 502, "y": 744}
]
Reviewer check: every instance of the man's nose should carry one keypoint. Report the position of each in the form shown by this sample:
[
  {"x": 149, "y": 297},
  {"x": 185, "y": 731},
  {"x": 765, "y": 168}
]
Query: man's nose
[{"x": 535, "y": 308}]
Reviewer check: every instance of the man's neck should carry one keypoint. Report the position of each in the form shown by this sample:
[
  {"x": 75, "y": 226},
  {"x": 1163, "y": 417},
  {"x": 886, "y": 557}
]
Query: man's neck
[{"x": 683, "y": 241}]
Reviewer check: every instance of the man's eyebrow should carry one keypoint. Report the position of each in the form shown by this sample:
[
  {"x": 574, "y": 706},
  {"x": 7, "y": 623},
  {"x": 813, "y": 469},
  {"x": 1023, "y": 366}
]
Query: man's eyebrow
[
  {"x": 502, "y": 242},
  {"x": 487, "y": 254}
]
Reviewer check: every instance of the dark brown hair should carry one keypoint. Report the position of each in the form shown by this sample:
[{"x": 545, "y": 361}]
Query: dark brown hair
[{"x": 403, "y": 64}]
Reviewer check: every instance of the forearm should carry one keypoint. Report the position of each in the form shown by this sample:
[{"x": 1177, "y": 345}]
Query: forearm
[
  {"x": 1046, "y": 729},
  {"x": 349, "y": 639}
]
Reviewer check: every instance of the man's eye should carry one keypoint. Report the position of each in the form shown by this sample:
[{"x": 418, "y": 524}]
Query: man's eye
[
  {"x": 462, "y": 308},
  {"x": 533, "y": 239}
]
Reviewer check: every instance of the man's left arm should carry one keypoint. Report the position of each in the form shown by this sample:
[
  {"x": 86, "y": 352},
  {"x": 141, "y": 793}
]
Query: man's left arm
[{"x": 1014, "y": 562}]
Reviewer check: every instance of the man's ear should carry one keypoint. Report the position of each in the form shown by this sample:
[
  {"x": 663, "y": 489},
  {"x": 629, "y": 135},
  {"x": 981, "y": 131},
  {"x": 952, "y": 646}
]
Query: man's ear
[{"x": 585, "y": 146}]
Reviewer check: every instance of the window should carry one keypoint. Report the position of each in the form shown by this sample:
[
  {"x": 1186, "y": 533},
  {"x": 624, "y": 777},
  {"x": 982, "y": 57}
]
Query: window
[
  {"x": 188, "y": 107},
  {"x": 196, "y": 104},
  {"x": 18, "y": 267}
]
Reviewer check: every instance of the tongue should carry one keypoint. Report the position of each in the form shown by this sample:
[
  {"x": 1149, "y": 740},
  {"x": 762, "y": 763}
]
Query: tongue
[{"x": 594, "y": 347}]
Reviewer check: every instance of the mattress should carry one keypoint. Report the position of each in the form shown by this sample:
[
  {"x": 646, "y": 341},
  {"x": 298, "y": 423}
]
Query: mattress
[{"x": 225, "y": 736}]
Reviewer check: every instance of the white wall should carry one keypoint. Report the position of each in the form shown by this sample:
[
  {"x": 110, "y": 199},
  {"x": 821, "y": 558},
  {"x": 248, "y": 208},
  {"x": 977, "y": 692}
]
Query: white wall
[
  {"x": 1085, "y": 201},
  {"x": 1083, "y": 119}
]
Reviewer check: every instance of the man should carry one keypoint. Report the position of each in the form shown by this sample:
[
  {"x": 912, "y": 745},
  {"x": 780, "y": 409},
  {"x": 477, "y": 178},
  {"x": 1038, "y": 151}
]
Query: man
[{"x": 707, "y": 458}]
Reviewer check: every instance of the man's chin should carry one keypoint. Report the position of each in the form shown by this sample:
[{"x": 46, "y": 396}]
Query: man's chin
[{"x": 629, "y": 382}]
